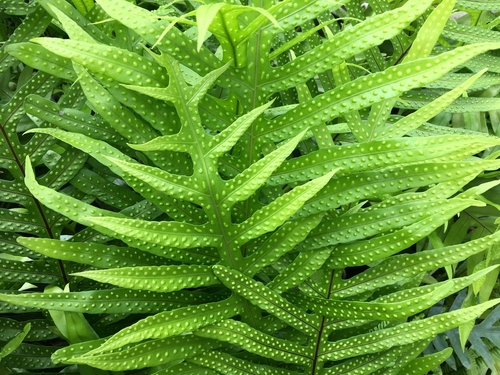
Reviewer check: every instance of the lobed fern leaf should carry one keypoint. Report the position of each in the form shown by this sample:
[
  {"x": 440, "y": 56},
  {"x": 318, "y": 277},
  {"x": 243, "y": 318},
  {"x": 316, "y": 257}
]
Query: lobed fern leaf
[{"x": 240, "y": 201}]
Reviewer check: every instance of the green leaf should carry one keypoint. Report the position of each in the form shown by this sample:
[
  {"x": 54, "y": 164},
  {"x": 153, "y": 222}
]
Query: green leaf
[
  {"x": 353, "y": 119},
  {"x": 204, "y": 17},
  {"x": 351, "y": 189},
  {"x": 77, "y": 17},
  {"x": 42, "y": 59},
  {"x": 469, "y": 34},
  {"x": 452, "y": 80},
  {"x": 14, "y": 343},
  {"x": 94, "y": 56},
  {"x": 342, "y": 46},
  {"x": 277, "y": 212},
  {"x": 247, "y": 182},
  {"x": 415, "y": 119},
  {"x": 279, "y": 243},
  {"x": 267, "y": 299},
  {"x": 388, "y": 215},
  {"x": 422, "y": 365},
  {"x": 83, "y": 6},
  {"x": 230, "y": 365},
  {"x": 352, "y": 158},
  {"x": 218, "y": 145},
  {"x": 113, "y": 301},
  {"x": 404, "y": 359},
  {"x": 161, "y": 234},
  {"x": 380, "y": 247},
  {"x": 65, "y": 354},
  {"x": 430, "y": 31},
  {"x": 185, "y": 368},
  {"x": 151, "y": 28},
  {"x": 72, "y": 325},
  {"x": 70, "y": 27},
  {"x": 402, "y": 267},
  {"x": 38, "y": 271},
  {"x": 10, "y": 328},
  {"x": 403, "y": 297},
  {"x": 302, "y": 267},
  {"x": 242, "y": 335},
  {"x": 415, "y": 100},
  {"x": 71, "y": 120},
  {"x": 403, "y": 334},
  {"x": 225, "y": 140},
  {"x": 368, "y": 363},
  {"x": 33, "y": 25},
  {"x": 97, "y": 255},
  {"x": 28, "y": 356},
  {"x": 69, "y": 206},
  {"x": 478, "y": 4},
  {"x": 399, "y": 306},
  {"x": 155, "y": 278},
  {"x": 178, "y": 91},
  {"x": 375, "y": 87},
  {"x": 181, "y": 187},
  {"x": 102, "y": 151},
  {"x": 108, "y": 192},
  {"x": 301, "y": 37},
  {"x": 172, "y": 323},
  {"x": 120, "y": 118},
  {"x": 152, "y": 353}
]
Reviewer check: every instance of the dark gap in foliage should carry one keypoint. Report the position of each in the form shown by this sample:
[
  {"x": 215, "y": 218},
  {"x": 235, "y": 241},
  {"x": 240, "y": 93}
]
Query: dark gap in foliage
[
  {"x": 212, "y": 43},
  {"x": 295, "y": 154},
  {"x": 25, "y": 138},
  {"x": 387, "y": 47},
  {"x": 56, "y": 96},
  {"x": 219, "y": 92},
  {"x": 41, "y": 170},
  {"x": 9, "y": 205},
  {"x": 6, "y": 175},
  {"x": 353, "y": 271},
  {"x": 105, "y": 206}
]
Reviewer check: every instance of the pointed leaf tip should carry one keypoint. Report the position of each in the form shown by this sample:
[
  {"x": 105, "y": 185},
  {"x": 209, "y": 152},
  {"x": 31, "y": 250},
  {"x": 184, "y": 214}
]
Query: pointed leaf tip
[{"x": 205, "y": 14}]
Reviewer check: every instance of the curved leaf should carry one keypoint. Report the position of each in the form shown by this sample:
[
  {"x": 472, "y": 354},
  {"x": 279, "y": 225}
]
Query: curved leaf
[
  {"x": 152, "y": 353},
  {"x": 172, "y": 323},
  {"x": 267, "y": 299},
  {"x": 241, "y": 334},
  {"x": 113, "y": 301},
  {"x": 155, "y": 278}
]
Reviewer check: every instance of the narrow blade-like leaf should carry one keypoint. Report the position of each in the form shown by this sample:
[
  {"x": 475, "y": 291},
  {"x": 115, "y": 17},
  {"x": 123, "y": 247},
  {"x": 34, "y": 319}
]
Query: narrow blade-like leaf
[
  {"x": 267, "y": 299},
  {"x": 159, "y": 278}
]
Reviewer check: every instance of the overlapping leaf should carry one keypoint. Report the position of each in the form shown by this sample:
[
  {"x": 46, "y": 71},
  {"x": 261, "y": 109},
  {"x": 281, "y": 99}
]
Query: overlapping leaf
[{"x": 243, "y": 183}]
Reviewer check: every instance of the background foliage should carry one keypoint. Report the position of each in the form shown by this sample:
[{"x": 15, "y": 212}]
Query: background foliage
[{"x": 295, "y": 187}]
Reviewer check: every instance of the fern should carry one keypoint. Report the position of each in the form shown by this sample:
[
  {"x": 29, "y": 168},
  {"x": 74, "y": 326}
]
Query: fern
[{"x": 229, "y": 215}]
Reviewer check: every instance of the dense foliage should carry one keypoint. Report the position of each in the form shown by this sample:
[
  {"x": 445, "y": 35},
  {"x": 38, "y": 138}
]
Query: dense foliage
[{"x": 273, "y": 187}]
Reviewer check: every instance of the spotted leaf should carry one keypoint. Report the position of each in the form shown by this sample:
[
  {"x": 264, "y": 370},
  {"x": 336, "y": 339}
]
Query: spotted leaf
[
  {"x": 267, "y": 299},
  {"x": 402, "y": 266},
  {"x": 279, "y": 243},
  {"x": 113, "y": 301},
  {"x": 403, "y": 334},
  {"x": 97, "y": 255},
  {"x": 230, "y": 365},
  {"x": 241, "y": 334},
  {"x": 15, "y": 342},
  {"x": 173, "y": 323},
  {"x": 155, "y": 278},
  {"x": 148, "y": 354},
  {"x": 277, "y": 212},
  {"x": 302, "y": 267}
]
